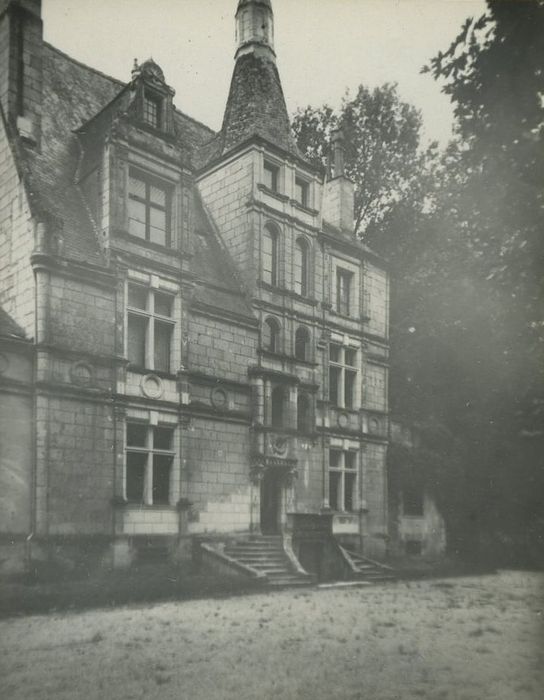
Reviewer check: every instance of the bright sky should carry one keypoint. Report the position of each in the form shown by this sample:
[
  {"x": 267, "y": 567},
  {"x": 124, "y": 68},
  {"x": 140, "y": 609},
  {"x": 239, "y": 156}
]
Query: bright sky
[{"x": 323, "y": 47}]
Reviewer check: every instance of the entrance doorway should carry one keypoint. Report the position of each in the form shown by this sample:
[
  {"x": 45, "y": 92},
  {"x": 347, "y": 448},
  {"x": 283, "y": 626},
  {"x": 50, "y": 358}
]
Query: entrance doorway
[{"x": 270, "y": 502}]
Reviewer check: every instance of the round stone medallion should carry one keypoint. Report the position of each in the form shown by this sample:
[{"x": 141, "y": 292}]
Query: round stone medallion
[
  {"x": 152, "y": 386},
  {"x": 219, "y": 398},
  {"x": 81, "y": 373}
]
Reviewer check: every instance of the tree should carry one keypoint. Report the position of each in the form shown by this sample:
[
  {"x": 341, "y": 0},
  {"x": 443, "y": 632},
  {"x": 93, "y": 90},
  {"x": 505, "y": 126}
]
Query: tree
[{"x": 383, "y": 156}]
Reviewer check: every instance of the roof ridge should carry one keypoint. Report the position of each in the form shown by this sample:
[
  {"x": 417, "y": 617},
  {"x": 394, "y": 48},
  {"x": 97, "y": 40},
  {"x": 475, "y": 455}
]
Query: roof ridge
[{"x": 85, "y": 65}]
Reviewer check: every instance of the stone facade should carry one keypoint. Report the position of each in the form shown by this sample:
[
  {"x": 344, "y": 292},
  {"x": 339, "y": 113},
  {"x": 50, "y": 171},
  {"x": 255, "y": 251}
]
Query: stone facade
[{"x": 205, "y": 340}]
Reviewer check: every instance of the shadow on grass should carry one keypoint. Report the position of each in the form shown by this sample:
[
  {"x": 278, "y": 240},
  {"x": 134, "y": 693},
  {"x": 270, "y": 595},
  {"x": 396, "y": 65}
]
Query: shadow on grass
[{"x": 48, "y": 592}]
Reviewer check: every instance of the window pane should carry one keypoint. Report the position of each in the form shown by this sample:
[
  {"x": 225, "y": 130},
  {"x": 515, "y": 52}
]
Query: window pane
[
  {"x": 163, "y": 333},
  {"x": 136, "y": 342},
  {"x": 301, "y": 344},
  {"x": 334, "y": 352},
  {"x": 161, "y": 479},
  {"x": 136, "y": 435},
  {"x": 335, "y": 458},
  {"x": 157, "y": 195},
  {"x": 349, "y": 389},
  {"x": 350, "y": 357},
  {"x": 303, "y": 413},
  {"x": 350, "y": 460},
  {"x": 277, "y": 407},
  {"x": 136, "y": 218},
  {"x": 334, "y": 490},
  {"x": 349, "y": 491},
  {"x": 301, "y": 191},
  {"x": 269, "y": 254},
  {"x": 162, "y": 438},
  {"x": 343, "y": 285},
  {"x": 157, "y": 227},
  {"x": 334, "y": 381},
  {"x": 137, "y": 296},
  {"x": 136, "y": 187},
  {"x": 163, "y": 304},
  {"x": 271, "y": 176},
  {"x": 136, "y": 463}
]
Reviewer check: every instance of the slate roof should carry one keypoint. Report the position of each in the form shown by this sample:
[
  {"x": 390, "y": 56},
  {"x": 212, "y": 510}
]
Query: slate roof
[
  {"x": 75, "y": 95},
  {"x": 256, "y": 106},
  {"x": 8, "y": 327}
]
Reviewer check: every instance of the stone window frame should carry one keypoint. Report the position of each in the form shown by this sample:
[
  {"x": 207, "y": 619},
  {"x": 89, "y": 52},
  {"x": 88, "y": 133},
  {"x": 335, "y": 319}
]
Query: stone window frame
[
  {"x": 341, "y": 470},
  {"x": 302, "y": 286},
  {"x": 152, "y": 317},
  {"x": 149, "y": 451},
  {"x": 270, "y": 261},
  {"x": 302, "y": 191},
  {"x": 151, "y": 97},
  {"x": 344, "y": 368},
  {"x": 340, "y": 266},
  {"x": 307, "y": 355},
  {"x": 275, "y": 330},
  {"x": 274, "y": 168},
  {"x": 151, "y": 180}
]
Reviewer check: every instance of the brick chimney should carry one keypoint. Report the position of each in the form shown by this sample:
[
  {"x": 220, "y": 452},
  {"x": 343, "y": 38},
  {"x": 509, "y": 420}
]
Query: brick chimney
[
  {"x": 21, "y": 37},
  {"x": 338, "y": 196}
]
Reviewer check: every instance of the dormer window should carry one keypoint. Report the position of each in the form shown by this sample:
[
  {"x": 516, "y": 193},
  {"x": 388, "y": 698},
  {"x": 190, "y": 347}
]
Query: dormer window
[
  {"x": 148, "y": 209},
  {"x": 152, "y": 109},
  {"x": 302, "y": 188},
  {"x": 271, "y": 176}
]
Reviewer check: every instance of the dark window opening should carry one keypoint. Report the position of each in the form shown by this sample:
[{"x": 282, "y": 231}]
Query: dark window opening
[
  {"x": 152, "y": 111},
  {"x": 161, "y": 479},
  {"x": 278, "y": 401},
  {"x": 271, "y": 172},
  {"x": 302, "y": 344},
  {"x": 349, "y": 389},
  {"x": 270, "y": 256},
  {"x": 334, "y": 490},
  {"x": 301, "y": 268},
  {"x": 343, "y": 292},
  {"x": 303, "y": 413},
  {"x": 301, "y": 191},
  {"x": 349, "y": 488},
  {"x": 335, "y": 374},
  {"x": 271, "y": 335},
  {"x": 137, "y": 331},
  {"x": 136, "y": 464}
]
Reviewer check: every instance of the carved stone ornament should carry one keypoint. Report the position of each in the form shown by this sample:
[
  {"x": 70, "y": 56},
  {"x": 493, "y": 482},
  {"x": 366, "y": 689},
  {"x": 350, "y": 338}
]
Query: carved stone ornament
[
  {"x": 257, "y": 470},
  {"x": 343, "y": 420},
  {"x": 291, "y": 475},
  {"x": 279, "y": 445},
  {"x": 81, "y": 373},
  {"x": 219, "y": 398},
  {"x": 152, "y": 386}
]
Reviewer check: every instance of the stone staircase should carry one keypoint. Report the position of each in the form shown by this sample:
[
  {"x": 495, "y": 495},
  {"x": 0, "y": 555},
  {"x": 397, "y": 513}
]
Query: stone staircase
[
  {"x": 364, "y": 569},
  {"x": 266, "y": 555}
]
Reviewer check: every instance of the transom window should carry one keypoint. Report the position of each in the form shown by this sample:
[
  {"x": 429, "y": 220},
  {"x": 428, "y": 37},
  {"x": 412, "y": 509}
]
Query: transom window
[
  {"x": 148, "y": 210},
  {"x": 302, "y": 259},
  {"x": 342, "y": 480},
  {"x": 302, "y": 189},
  {"x": 152, "y": 109},
  {"x": 271, "y": 176},
  {"x": 343, "y": 291},
  {"x": 149, "y": 457},
  {"x": 150, "y": 326},
  {"x": 342, "y": 375},
  {"x": 270, "y": 256}
]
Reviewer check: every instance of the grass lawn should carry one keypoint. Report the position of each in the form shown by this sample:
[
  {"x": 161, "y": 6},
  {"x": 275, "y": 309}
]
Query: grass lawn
[{"x": 460, "y": 638}]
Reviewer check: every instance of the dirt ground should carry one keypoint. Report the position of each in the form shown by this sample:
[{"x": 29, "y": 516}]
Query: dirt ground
[{"x": 468, "y": 638}]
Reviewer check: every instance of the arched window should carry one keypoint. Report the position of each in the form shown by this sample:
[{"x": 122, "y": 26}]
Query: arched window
[
  {"x": 302, "y": 344},
  {"x": 270, "y": 256},
  {"x": 303, "y": 413},
  {"x": 271, "y": 335},
  {"x": 278, "y": 404},
  {"x": 302, "y": 259}
]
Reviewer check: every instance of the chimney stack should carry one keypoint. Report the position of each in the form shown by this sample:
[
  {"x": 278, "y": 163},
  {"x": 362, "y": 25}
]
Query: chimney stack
[
  {"x": 338, "y": 196},
  {"x": 21, "y": 38}
]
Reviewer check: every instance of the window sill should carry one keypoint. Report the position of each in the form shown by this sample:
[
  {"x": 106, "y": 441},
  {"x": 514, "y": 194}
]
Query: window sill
[
  {"x": 283, "y": 356},
  {"x": 273, "y": 193},
  {"x": 304, "y": 207},
  {"x": 135, "y": 369},
  {"x": 148, "y": 245}
]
